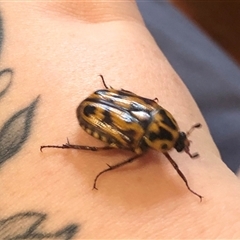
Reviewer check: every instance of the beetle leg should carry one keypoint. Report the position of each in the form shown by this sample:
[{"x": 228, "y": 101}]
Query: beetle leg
[
  {"x": 174, "y": 164},
  {"x": 192, "y": 155},
  {"x": 78, "y": 147},
  {"x": 104, "y": 83},
  {"x": 114, "y": 167}
]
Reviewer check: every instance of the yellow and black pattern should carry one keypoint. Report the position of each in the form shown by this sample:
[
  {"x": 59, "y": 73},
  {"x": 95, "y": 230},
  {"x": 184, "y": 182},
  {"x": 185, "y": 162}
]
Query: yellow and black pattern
[{"x": 123, "y": 119}]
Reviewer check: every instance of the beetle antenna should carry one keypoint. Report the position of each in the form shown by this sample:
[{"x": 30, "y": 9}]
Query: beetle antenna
[
  {"x": 197, "y": 125},
  {"x": 191, "y": 155}
]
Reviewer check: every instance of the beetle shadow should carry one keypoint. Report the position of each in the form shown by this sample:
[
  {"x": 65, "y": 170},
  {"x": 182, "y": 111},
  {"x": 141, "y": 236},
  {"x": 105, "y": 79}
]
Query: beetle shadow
[{"x": 147, "y": 181}]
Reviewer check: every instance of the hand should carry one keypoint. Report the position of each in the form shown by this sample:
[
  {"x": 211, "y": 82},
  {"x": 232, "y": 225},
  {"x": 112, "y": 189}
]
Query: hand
[{"x": 57, "y": 51}]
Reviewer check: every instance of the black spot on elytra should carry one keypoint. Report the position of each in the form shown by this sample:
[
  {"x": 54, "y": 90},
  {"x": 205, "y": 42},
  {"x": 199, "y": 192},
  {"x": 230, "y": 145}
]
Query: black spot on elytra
[
  {"x": 166, "y": 120},
  {"x": 89, "y": 110},
  {"x": 153, "y": 136},
  {"x": 107, "y": 117},
  {"x": 130, "y": 135},
  {"x": 144, "y": 123},
  {"x": 164, "y": 146},
  {"x": 161, "y": 134}
]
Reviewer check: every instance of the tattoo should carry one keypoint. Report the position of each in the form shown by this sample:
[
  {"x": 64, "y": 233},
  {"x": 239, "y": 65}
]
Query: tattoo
[
  {"x": 30, "y": 225},
  {"x": 16, "y": 129},
  {"x": 15, "y": 132},
  {"x": 1, "y": 33},
  {"x": 5, "y": 80}
]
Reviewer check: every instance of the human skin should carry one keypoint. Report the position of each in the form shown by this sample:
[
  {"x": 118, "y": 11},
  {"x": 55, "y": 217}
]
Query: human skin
[{"x": 57, "y": 51}]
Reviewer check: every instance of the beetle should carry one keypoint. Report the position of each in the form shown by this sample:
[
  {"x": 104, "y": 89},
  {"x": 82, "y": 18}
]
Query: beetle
[{"x": 124, "y": 120}]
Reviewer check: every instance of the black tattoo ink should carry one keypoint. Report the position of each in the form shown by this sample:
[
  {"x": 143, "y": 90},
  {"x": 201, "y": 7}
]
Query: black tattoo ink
[
  {"x": 30, "y": 225},
  {"x": 5, "y": 80},
  {"x": 16, "y": 129},
  {"x": 1, "y": 33},
  {"x": 15, "y": 132}
]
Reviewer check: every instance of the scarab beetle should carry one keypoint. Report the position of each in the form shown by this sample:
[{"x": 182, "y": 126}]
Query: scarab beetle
[{"x": 127, "y": 121}]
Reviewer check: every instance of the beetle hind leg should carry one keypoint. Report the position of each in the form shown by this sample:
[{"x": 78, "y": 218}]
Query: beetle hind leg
[{"x": 110, "y": 168}]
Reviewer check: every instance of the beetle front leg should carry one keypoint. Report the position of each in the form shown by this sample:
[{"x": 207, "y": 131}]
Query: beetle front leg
[{"x": 174, "y": 164}]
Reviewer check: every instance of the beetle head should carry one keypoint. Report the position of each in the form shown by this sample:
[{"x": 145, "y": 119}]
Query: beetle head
[{"x": 182, "y": 144}]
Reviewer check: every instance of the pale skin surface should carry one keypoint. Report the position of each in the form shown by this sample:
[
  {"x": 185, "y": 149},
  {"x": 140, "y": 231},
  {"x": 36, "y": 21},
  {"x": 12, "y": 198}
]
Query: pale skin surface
[{"x": 57, "y": 51}]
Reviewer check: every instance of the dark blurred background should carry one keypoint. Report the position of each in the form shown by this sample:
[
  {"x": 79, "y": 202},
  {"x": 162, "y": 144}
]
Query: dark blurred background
[
  {"x": 200, "y": 40},
  {"x": 219, "y": 19}
]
